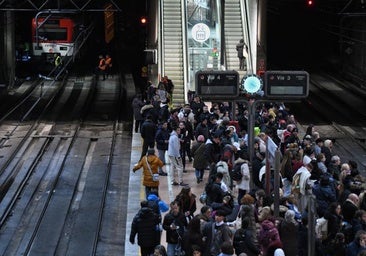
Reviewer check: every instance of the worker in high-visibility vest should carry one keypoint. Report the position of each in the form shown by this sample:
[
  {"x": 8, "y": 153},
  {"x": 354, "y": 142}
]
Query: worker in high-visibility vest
[
  {"x": 101, "y": 67},
  {"x": 57, "y": 62},
  {"x": 108, "y": 64}
]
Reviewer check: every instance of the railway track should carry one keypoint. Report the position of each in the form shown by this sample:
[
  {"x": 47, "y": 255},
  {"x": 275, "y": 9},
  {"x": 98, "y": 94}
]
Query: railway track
[
  {"x": 335, "y": 107},
  {"x": 56, "y": 170}
]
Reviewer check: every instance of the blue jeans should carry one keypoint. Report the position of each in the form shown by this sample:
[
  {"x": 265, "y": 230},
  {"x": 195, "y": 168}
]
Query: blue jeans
[
  {"x": 199, "y": 173},
  {"x": 170, "y": 250},
  {"x": 161, "y": 157}
]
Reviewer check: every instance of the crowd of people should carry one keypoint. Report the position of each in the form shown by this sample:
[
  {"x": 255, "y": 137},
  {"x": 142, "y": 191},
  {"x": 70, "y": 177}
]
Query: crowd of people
[{"x": 237, "y": 216}]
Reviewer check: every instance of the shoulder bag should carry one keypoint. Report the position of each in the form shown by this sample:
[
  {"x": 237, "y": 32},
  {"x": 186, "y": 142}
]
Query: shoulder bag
[{"x": 155, "y": 176}]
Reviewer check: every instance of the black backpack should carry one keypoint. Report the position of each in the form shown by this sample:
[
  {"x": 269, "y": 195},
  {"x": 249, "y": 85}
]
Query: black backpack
[{"x": 235, "y": 173}]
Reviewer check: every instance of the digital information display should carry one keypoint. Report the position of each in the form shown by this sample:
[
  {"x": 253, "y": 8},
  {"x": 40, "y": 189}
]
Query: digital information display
[
  {"x": 217, "y": 84},
  {"x": 286, "y": 84}
]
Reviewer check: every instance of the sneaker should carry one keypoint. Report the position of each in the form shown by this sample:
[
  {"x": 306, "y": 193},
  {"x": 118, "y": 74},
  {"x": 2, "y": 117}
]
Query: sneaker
[
  {"x": 174, "y": 183},
  {"x": 198, "y": 180},
  {"x": 163, "y": 174},
  {"x": 183, "y": 184}
]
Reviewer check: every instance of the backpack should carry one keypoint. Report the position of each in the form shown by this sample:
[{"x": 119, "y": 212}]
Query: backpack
[
  {"x": 235, "y": 173},
  {"x": 213, "y": 171},
  {"x": 321, "y": 228},
  {"x": 295, "y": 185}
]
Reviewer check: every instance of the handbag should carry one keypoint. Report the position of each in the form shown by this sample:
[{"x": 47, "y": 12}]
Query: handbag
[
  {"x": 203, "y": 197},
  {"x": 178, "y": 248},
  {"x": 235, "y": 224},
  {"x": 155, "y": 176}
]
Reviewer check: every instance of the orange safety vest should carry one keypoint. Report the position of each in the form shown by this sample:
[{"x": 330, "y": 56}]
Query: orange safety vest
[
  {"x": 102, "y": 64},
  {"x": 108, "y": 62}
]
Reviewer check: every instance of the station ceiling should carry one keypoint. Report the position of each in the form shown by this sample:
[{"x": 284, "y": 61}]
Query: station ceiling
[
  {"x": 333, "y": 6},
  {"x": 39, "y": 5}
]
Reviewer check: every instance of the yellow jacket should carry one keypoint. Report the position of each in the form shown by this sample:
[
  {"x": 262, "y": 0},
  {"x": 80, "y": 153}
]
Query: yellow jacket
[{"x": 154, "y": 163}]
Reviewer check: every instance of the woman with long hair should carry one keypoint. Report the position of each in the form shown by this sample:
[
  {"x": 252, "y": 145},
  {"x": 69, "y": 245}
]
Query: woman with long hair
[
  {"x": 287, "y": 172},
  {"x": 187, "y": 201}
]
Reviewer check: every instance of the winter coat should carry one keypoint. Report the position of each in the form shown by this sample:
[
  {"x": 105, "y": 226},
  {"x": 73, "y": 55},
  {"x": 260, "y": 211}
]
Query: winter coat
[
  {"x": 354, "y": 248},
  {"x": 148, "y": 131},
  {"x": 212, "y": 152},
  {"x": 289, "y": 234},
  {"x": 154, "y": 163},
  {"x": 244, "y": 183},
  {"x": 162, "y": 135},
  {"x": 324, "y": 196},
  {"x": 215, "y": 236},
  {"x": 198, "y": 153},
  {"x": 172, "y": 236},
  {"x": 244, "y": 242},
  {"x": 137, "y": 104},
  {"x": 188, "y": 204},
  {"x": 348, "y": 210},
  {"x": 144, "y": 224},
  {"x": 201, "y": 129}
]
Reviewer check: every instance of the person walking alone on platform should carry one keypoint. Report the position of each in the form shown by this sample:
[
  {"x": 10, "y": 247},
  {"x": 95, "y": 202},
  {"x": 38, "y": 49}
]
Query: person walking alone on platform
[{"x": 242, "y": 50}]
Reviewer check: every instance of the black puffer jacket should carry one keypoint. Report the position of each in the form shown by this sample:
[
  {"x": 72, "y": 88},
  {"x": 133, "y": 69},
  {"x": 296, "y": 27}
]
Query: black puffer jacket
[{"x": 144, "y": 224}]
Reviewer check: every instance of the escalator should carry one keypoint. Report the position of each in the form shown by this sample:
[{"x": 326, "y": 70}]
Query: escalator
[
  {"x": 172, "y": 46},
  {"x": 233, "y": 32}
]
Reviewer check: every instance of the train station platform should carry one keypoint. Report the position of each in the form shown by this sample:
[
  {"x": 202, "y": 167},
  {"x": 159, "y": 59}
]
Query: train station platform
[{"x": 167, "y": 192}]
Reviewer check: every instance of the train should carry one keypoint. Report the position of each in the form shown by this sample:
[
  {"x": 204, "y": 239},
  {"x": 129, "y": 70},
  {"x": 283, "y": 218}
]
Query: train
[{"x": 52, "y": 36}]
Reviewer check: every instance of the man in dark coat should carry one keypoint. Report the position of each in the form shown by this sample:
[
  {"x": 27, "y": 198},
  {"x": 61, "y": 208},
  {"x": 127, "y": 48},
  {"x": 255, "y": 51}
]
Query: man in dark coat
[
  {"x": 174, "y": 223},
  {"x": 148, "y": 131},
  {"x": 145, "y": 225},
  {"x": 137, "y": 104},
  {"x": 162, "y": 142},
  {"x": 349, "y": 207},
  {"x": 216, "y": 233}
]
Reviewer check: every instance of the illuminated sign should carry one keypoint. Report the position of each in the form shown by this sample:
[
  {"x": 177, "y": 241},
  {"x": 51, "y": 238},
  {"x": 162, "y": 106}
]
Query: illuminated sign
[
  {"x": 286, "y": 84},
  {"x": 217, "y": 84}
]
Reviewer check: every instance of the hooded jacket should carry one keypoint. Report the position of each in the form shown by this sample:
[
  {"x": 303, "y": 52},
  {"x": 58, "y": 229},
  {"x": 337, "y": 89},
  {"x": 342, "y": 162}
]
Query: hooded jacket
[
  {"x": 144, "y": 224},
  {"x": 154, "y": 163}
]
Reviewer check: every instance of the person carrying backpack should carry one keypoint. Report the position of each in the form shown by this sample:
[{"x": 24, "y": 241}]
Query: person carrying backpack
[
  {"x": 214, "y": 190},
  {"x": 241, "y": 175}
]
